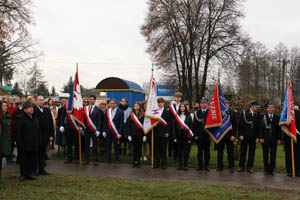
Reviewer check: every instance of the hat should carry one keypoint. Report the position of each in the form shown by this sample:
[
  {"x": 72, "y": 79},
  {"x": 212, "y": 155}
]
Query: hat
[
  {"x": 26, "y": 104},
  {"x": 269, "y": 103},
  {"x": 203, "y": 100},
  {"x": 255, "y": 103},
  {"x": 177, "y": 94}
]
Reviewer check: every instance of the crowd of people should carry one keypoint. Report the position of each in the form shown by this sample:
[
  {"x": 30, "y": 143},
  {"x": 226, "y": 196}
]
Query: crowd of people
[{"x": 34, "y": 126}]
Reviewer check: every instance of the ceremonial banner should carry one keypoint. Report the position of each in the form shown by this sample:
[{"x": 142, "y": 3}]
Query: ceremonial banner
[
  {"x": 218, "y": 118},
  {"x": 287, "y": 118},
  {"x": 75, "y": 105},
  {"x": 152, "y": 113}
]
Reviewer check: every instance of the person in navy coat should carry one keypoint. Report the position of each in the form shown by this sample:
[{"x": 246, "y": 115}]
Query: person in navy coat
[
  {"x": 95, "y": 115},
  {"x": 117, "y": 117}
]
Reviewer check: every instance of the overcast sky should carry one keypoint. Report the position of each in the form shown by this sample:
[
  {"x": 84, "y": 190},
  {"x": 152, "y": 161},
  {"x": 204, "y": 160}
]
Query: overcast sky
[{"x": 103, "y": 36}]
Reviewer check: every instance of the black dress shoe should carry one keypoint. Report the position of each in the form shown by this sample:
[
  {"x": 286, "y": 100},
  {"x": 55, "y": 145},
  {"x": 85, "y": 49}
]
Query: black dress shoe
[
  {"x": 138, "y": 165},
  {"x": 271, "y": 173},
  {"x": 76, "y": 162},
  {"x": 86, "y": 162},
  {"x": 68, "y": 162},
  {"x": 96, "y": 163},
  {"x": 241, "y": 169},
  {"x": 219, "y": 169},
  {"x": 44, "y": 173},
  {"x": 155, "y": 166},
  {"x": 289, "y": 174},
  {"x": 30, "y": 178},
  {"x": 163, "y": 166},
  {"x": 207, "y": 169},
  {"x": 250, "y": 171},
  {"x": 231, "y": 170},
  {"x": 185, "y": 168},
  {"x": 22, "y": 178},
  {"x": 199, "y": 168},
  {"x": 133, "y": 165},
  {"x": 179, "y": 167},
  {"x": 297, "y": 174},
  {"x": 35, "y": 174}
]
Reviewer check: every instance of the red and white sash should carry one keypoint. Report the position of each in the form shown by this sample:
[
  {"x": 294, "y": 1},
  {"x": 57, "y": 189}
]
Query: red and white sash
[
  {"x": 72, "y": 121},
  {"x": 136, "y": 121},
  {"x": 181, "y": 122},
  {"x": 111, "y": 124},
  {"x": 163, "y": 122},
  {"x": 89, "y": 121}
]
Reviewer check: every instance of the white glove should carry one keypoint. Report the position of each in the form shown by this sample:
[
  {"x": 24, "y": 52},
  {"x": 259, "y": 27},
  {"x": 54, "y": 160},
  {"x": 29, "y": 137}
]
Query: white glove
[
  {"x": 144, "y": 138},
  {"x": 129, "y": 138},
  {"x": 81, "y": 129},
  {"x": 61, "y": 129},
  {"x": 97, "y": 133},
  {"x": 82, "y": 132},
  {"x": 119, "y": 136},
  {"x": 175, "y": 140},
  {"x": 104, "y": 134}
]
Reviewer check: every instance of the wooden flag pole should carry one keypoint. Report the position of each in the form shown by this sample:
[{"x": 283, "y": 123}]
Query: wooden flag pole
[
  {"x": 152, "y": 149},
  {"x": 80, "y": 158},
  {"x": 293, "y": 157}
]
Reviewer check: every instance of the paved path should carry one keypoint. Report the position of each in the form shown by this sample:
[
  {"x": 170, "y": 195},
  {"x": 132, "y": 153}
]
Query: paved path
[{"x": 257, "y": 179}]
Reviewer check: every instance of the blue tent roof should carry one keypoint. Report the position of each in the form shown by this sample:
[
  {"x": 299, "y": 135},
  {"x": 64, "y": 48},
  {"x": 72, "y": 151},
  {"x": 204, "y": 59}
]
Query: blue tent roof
[{"x": 115, "y": 84}]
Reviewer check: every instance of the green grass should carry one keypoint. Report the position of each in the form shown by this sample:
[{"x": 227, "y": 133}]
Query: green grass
[
  {"x": 87, "y": 187},
  {"x": 193, "y": 162}
]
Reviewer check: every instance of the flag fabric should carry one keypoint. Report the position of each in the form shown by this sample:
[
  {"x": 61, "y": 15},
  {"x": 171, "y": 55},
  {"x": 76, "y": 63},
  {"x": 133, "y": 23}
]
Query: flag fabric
[
  {"x": 152, "y": 113},
  {"x": 287, "y": 118},
  {"x": 218, "y": 118},
  {"x": 75, "y": 105}
]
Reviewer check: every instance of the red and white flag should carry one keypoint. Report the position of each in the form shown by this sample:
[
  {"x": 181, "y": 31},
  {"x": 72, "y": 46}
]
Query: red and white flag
[{"x": 153, "y": 112}]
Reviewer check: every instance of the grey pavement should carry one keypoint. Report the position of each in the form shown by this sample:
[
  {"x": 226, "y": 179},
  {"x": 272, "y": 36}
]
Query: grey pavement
[{"x": 257, "y": 179}]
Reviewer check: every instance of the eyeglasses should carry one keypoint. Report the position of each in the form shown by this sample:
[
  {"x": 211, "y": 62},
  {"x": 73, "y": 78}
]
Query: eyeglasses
[
  {"x": 85, "y": 101},
  {"x": 103, "y": 104}
]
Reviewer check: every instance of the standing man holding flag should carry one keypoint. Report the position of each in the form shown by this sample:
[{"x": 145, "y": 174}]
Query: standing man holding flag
[
  {"x": 72, "y": 118},
  {"x": 288, "y": 126},
  {"x": 93, "y": 122}
]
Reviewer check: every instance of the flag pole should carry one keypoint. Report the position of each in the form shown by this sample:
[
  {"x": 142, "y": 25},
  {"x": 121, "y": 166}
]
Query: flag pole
[
  {"x": 293, "y": 157},
  {"x": 79, "y": 132},
  {"x": 152, "y": 131}
]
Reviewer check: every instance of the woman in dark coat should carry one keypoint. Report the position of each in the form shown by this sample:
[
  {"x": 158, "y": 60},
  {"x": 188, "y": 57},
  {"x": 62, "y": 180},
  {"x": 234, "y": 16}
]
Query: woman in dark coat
[
  {"x": 181, "y": 137},
  {"x": 5, "y": 140},
  {"x": 135, "y": 133}
]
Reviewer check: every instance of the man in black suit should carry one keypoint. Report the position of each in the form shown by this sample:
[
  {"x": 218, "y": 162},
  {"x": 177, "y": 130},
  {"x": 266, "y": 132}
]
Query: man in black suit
[
  {"x": 172, "y": 148},
  {"x": 46, "y": 130},
  {"x": 201, "y": 137},
  {"x": 249, "y": 135},
  {"x": 228, "y": 140},
  {"x": 161, "y": 136},
  {"x": 72, "y": 136},
  {"x": 269, "y": 137},
  {"x": 111, "y": 135},
  {"x": 93, "y": 123}
]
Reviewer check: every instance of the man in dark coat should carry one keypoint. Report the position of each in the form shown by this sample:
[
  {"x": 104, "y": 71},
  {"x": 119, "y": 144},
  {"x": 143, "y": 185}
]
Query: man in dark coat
[
  {"x": 249, "y": 135},
  {"x": 27, "y": 136},
  {"x": 201, "y": 137},
  {"x": 228, "y": 140},
  {"x": 93, "y": 113},
  {"x": 161, "y": 136},
  {"x": 46, "y": 131},
  {"x": 269, "y": 137},
  {"x": 117, "y": 117}
]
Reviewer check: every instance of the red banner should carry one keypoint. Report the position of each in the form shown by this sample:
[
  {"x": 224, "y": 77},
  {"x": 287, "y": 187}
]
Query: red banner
[{"x": 214, "y": 117}]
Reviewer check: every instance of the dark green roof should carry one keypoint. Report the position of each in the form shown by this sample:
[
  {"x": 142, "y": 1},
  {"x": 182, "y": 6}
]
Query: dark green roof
[{"x": 6, "y": 88}]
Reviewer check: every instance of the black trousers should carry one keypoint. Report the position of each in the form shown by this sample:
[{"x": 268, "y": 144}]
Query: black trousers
[
  {"x": 72, "y": 140},
  {"x": 203, "y": 151},
  {"x": 230, "y": 153},
  {"x": 0, "y": 165},
  {"x": 27, "y": 162},
  {"x": 137, "y": 142},
  {"x": 88, "y": 135},
  {"x": 251, "y": 153},
  {"x": 110, "y": 138},
  {"x": 269, "y": 154},
  {"x": 160, "y": 149},
  {"x": 182, "y": 149},
  {"x": 172, "y": 148},
  {"x": 42, "y": 156}
]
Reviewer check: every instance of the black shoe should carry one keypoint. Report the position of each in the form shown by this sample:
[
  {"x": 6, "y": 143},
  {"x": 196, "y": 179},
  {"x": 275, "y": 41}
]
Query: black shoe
[
  {"x": 96, "y": 163},
  {"x": 289, "y": 174},
  {"x": 250, "y": 171},
  {"x": 116, "y": 161},
  {"x": 133, "y": 165},
  {"x": 163, "y": 166},
  {"x": 199, "y": 168},
  {"x": 271, "y": 173},
  {"x": 156, "y": 166},
  {"x": 297, "y": 174},
  {"x": 179, "y": 167},
  {"x": 43, "y": 173},
  {"x": 219, "y": 169},
  {"x": 241, "y": 169},
  {"x": 207, "y": 169},
  {"x": 185, "y": 168},
  {"x": 22, "y": 178},
  {"x": 76, "y": 162},
  {"x": 138, "y": 165},
  {"x": 231, "y": 170},
  {"x": 68, "y": 162},
  {"x": 30, "y": 178},
  {"x": 35, "y": 174},
  {"x": 87, "y": 162}
]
